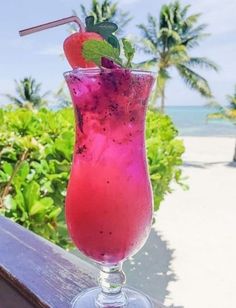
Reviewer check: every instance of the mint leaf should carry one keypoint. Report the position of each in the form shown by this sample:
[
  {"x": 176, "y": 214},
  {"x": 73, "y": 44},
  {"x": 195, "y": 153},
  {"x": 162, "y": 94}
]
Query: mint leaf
[
  {"x": 94, "y": 50},
  {"x": 129, "y": 51}
]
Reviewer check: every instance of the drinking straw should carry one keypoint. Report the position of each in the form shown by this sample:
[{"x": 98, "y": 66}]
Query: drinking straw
[{"x": 53, "y": 24}]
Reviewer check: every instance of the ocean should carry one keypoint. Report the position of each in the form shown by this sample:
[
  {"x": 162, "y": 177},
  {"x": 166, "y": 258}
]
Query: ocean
[{"x": 192, "y": 121}]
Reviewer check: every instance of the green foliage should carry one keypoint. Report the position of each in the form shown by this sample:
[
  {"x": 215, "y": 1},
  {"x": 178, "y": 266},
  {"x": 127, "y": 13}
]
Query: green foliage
[
  {"x": 94, "y": 50},
  {"x": 35, "y": 159},
  {"x": 225, "y": 113},
  {"x": 107, "y": 11},
  {"x": 129, "y": 51},
  {"x": 164, "y": 154},
  {"x": 28, "y": 94},
  {"x": 105, "y": 28},
  {"x": 168, "y": 42}
]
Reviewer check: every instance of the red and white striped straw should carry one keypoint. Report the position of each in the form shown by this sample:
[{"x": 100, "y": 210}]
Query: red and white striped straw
[{"x": 53, "y": 24}]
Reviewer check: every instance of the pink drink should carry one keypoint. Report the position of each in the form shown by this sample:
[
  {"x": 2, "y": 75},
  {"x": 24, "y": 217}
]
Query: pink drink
[{"x": 109, "y": 198}]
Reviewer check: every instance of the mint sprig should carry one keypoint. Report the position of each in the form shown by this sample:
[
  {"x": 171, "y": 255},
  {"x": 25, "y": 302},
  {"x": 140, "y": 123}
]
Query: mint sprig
[
  {"x": 129, "y": 51},
  {"x": 106, "y": 29},
  {"x": 94, "y": 50}
]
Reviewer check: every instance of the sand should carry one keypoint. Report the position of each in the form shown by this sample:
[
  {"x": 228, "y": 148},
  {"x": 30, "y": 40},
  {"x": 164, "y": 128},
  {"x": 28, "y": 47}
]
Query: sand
[{"x": 190, "y": 258}]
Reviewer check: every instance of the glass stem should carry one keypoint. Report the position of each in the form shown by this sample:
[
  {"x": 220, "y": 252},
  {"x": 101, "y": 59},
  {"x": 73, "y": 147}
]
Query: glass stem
[{"x": 111, "y": 280}]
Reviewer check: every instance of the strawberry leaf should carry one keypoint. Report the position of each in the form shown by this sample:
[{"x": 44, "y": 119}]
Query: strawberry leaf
[
  {"x": 89, "y": 21},
  {"x": 105, "y": 28}
]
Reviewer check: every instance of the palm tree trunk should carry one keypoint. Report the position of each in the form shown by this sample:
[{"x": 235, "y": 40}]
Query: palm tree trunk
[
  {"x": 162, "y": 109},
  {"x": 154, "y": 95},
  {"x": 234, "y": 158}
]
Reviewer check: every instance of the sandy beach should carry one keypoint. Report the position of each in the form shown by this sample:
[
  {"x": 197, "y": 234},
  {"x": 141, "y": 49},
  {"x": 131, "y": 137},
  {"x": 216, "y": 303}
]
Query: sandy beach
[{"x": 189, "y": 260}]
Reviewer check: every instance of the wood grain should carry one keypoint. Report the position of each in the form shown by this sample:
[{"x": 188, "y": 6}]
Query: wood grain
[{"x": 45, "y": 274}]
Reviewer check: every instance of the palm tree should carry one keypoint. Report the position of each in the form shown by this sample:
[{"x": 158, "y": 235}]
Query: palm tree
[
  {"x": 226, "y": 113},
  {"x": 62, "y": 96},
  {"x": 107, "y": 11},
  {"x": 29, "y": 95},
  {"x": 168, "y": 42}
]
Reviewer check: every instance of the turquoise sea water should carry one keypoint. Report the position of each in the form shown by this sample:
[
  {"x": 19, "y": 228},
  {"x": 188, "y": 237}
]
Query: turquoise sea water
[{"x": 192, "y": 121}]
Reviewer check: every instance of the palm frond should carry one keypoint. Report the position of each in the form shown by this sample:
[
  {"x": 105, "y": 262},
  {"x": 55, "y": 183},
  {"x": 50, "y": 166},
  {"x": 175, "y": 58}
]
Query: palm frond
[
  {"x": 184, "y": 11},
  {"x": 147, "y": 34},
  {"x": 14, "y": 99},
  {"x": 198, "y": 30},
  {"x": 148, "y": 63},
  {"x": 19, "y": 89},
  {"x": 193, "y": 41},
  {"x": 107, "y": 11},
  {"x": 164, "y": 17},
  {"x": 232, "y": 101},
  {"x": 45, "y": 94},
  {"x": 177, "y": 54},
  {"x": 203, "y": 62},
  {"x": 147, "y": 47},
  {"x": 194, "y": 80},
  {"x": 160, "y": 85},
  {"x": 153, "y": 28},
  {"x": 191, "y": 20},
  {"x": 28, "y": 91},
  {"x": 170, "y": 34},
  {"x": 83, "y": 10}
]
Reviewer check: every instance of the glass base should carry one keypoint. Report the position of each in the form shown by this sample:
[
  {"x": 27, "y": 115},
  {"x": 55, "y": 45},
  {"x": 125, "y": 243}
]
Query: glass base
[{"x": 87, "y": 299}]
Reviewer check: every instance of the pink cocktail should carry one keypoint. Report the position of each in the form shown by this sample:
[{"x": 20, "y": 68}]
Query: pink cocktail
[{"x": 109, "y": 198}]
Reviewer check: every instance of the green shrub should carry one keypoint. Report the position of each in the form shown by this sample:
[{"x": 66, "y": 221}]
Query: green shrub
[
  {"x": 164, "y": 152},
  {"x": 35, "y": 158}
]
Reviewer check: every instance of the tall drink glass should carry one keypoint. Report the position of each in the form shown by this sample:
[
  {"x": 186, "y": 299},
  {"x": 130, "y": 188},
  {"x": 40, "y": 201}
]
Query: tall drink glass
[{"x": 109, "y": 197}]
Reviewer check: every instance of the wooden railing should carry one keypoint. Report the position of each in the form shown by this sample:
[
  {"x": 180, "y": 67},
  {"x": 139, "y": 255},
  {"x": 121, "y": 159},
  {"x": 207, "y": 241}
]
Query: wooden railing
[{"x": 37, "y": 273}]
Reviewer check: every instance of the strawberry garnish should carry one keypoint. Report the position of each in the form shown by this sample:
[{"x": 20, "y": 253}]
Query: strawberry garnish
[
  {"x": 73, "y": 45},
  {"x": 73, "y": 48}
]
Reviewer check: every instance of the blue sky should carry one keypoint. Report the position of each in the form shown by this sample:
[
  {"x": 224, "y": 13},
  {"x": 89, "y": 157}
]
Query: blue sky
[{"x": 38, "y": 54}]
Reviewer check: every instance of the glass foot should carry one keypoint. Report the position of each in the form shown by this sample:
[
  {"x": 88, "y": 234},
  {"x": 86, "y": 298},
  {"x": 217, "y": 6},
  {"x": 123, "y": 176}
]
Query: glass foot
[{"x": 87, "y": 299}]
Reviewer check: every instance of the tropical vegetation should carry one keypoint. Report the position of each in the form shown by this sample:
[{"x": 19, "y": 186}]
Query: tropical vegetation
[
  {"x": 106, "y": 11},
  {"x": 35, "y": 158},
  {"x": 168, "y": 41},
  {"x": 28, "y": 94},
  {"x": 226, "y": 113}
]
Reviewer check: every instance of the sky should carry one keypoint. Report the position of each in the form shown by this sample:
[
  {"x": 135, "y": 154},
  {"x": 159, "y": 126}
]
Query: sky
[{"x": 38, "y": 55}]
